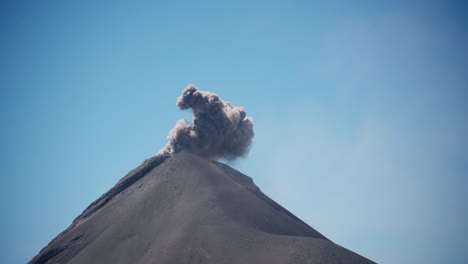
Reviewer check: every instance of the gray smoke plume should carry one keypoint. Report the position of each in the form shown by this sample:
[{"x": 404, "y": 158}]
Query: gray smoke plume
[{"x": 218, "y": 130}]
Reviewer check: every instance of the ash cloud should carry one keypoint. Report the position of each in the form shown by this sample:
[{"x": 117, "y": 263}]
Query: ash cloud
[{"x": 218, "y": 130}]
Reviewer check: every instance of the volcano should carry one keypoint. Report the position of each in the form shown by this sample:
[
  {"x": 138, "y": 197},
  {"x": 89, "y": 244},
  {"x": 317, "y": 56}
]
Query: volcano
[{"x": 187, "y": 209}]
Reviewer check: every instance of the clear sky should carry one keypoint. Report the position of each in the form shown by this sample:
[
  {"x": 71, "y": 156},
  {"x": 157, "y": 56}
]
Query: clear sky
[{"x": 360, "y": 111}]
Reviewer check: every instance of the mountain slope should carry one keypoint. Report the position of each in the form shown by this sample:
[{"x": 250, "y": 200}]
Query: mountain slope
[{"x": 185, "y": 209}]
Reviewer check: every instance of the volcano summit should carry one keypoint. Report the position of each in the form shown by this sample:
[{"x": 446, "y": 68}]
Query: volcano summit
[
  {"x": 187, "y": 209},
  {"x": 180, "y": 206}
]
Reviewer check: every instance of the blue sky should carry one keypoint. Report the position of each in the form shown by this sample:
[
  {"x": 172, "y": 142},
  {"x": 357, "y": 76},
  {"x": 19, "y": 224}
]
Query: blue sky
[{"x": 360, "y": 111}]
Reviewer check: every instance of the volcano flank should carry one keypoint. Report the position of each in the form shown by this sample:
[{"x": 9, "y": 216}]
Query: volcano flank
[{"x": 187, "y": 209}]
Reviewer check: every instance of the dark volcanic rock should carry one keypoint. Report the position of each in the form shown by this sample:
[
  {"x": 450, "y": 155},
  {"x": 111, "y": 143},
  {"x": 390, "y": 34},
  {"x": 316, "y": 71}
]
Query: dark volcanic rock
[{"x": 185, "y": 209}]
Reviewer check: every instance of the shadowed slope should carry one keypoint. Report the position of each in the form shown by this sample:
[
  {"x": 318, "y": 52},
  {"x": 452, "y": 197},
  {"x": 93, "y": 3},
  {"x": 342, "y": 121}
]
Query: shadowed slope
[{"x": 190, "y": 210}]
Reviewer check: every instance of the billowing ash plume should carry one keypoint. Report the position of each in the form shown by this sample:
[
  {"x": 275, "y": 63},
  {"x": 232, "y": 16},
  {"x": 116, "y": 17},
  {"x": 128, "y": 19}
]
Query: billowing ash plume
[{"x": 219, "y": 129}]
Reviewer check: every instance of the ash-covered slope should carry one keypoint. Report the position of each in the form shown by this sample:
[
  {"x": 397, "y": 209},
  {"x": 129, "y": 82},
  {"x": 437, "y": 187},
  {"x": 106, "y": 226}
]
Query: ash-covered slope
[{"x": 185, "y": 209}]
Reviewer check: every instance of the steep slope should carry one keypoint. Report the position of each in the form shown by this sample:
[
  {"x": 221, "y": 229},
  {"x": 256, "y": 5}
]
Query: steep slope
[{"x": 185, "y": 209}]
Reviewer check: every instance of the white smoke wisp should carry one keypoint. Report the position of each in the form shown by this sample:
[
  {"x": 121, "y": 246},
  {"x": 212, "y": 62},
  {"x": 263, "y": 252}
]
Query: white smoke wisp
[{"x": 219, "y": 129}]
